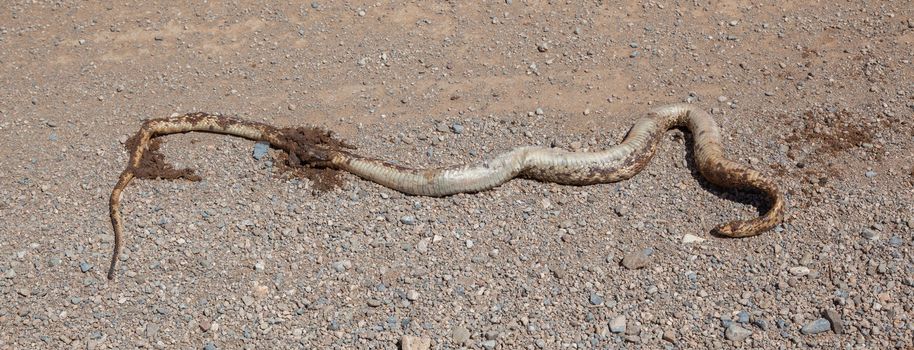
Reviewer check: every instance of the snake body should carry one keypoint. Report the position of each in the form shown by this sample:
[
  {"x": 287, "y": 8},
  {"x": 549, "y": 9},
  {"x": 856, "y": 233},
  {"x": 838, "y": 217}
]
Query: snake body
[{"x": 613, "y": 164}]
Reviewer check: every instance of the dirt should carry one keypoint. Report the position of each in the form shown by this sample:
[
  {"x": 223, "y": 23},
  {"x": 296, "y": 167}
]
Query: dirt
[{"x": 817, "y": 95}]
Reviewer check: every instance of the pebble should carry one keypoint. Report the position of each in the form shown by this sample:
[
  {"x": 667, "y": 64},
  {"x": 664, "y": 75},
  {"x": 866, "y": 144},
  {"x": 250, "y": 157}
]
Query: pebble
[
  {"x": 690, "y": 238},
  {"x": 742, "y": 317},
  {"x": 412, "y": 295},
  {"x": 634, "y": 54},
  {"x": 260, "y": 149},
  {"x": 209, "y": 346},
  {"x": 460, "y": 335},
  {"x": 817, "y": 326},
  {"x": 870, "y": 234},
  {"x": 596, "y": 299},
  {"x": 52, "y": 136},
  {"x": 799, "y": 270},
  {"x": 341, "y": 265},
  {"x": 408, "y": 220},
  {"x": 617, "y": 325},
  {"x": 410, "y": 342},
  {"x": 837, "y": 324},
  {"x": 84, "y": 266},
  {"x": 722, "y": 98},
  {"x": 259, "y": 266},
  {"x": 636, "y": 260},
  {"x": 489, "y": 344},
  {"x": 870, "y": 174},
  {"x": 457, "y": 128},
  {"x": 539, "y": 111},
  {"x": 737, "y": 333},
  {"x": 542, "y": 47}
]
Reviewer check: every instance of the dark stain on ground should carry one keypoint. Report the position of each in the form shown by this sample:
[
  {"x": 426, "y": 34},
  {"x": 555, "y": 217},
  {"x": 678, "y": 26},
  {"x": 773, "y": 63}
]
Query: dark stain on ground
[
  {"x": 153, "y": 165},
  {"x": 308, "y": 151}
]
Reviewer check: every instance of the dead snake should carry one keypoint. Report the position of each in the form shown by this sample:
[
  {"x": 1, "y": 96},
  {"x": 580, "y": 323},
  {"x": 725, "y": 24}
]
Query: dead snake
[{"x": 613, "y": 164}]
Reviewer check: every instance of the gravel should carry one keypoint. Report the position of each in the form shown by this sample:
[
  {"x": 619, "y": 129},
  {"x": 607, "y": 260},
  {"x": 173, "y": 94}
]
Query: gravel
[
  {"x": 737, "y": 333},
  {"x": 817, "y": 326},
  {"x": 260, "y": 150},
  {"x": 618, "y": 324},
  {"x": 252, "y": 256}
]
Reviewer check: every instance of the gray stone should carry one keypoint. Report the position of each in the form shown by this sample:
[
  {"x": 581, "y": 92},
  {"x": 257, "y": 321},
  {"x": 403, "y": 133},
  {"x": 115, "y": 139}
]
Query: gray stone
[
  {"x": 341, "y": 265},
  {"x": 596, "y": 299},
  {"x": 737, "y": 333},
  {"x": 539, "y": 111},
  {"x": 837, "y": 324},
  {"x": 636, "y": 260},
  {"x": 408, "y": 220},
  {"x": 209, "y": 346},
  {"x": 742, "y": 317},
  {"x": 84, "y": 266},
  {"x": 617, "y": 325},
  {"x": 489, "y": 344},
  {"x": 870, "y": 234},
  {"x": 457, "y": 128},
  {"x": 460, "y": 335},
  {"x": 817, "y": 326},
  {"x": 260, "y": 149},
  {"x": 870, "y": 174},
  {"x": 409, "y": 342}
]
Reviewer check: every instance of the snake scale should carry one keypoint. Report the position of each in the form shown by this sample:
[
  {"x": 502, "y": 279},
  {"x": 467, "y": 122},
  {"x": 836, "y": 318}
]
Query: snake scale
[{"x": 616, "y": 163}]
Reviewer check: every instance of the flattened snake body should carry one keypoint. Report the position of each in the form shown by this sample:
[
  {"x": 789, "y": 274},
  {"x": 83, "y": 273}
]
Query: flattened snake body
[{"x": 613, "y": 164}]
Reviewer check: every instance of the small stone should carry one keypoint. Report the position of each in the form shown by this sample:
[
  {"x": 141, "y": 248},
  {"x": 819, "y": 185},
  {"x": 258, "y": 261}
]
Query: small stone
[
  {"x": 341, "y": 265},
  {"x": 737, "y": 333},
  {"x": 361, "y": 13},
  {"x": 690, "y": 238},
  {"x": 158, "y": 38},
  {"x": 634, "y": 54},
  {"x": 408, "y": 220},
  {"x": 412, "y": 295},
  {"x": 457, "y": 128},
  {"x": 742, "y": 317},
  {"x": 870, "y": 174},
  {"x": 799, "y": 270},
  {"x": 52, "y": 136},
  {"x": 722, "y": 98},
  {"x": 85, "y": 267},
  {"x": 636, "y": 260},
  {"x": 837, "y": 324},
  {"x": 315, "y": 5},
  {"x": 870, "y": 234},
  {"x": 539, "y": 111},
  {"x": 542, "y": 47},
  {"x": 460, "y": 335},
  {"x": 817, "y": 326},
  {"x": 259, "y": 266},
  {"x": 247, "y": 300},
  {"x": 733, "y": 23},
  {"x": 617, "y": 325},
  {"x": 374, "y": 302},
  {"x": 410, "y": 342},
  {"x": 596, "y": 299},
  {"x": 633, "y": 45},
  {"x": 209, "y": 346},
  {"x": 669, "y": 335},
  {"x": 489, "y": 344},
  {"x": 260, "y": 149}
]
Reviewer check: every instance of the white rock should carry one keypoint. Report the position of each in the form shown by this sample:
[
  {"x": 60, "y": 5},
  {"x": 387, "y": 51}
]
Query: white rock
[{"x": 690, "y": 238}]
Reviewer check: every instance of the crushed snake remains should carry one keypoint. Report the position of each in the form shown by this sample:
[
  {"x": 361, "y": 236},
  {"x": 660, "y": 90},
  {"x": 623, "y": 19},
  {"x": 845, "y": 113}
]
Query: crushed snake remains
[{"x": 312, "y": 148}]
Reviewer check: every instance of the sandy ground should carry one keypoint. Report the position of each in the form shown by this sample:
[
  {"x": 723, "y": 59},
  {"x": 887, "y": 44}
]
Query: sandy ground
[{"x": 819, "y": 96}]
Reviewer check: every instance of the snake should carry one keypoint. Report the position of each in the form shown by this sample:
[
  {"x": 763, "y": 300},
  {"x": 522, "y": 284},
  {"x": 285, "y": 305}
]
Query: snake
[{"x": 546, "y": 164}]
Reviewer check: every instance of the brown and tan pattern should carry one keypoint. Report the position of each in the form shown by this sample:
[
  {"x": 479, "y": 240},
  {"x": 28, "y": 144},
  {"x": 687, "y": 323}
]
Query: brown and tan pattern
[{"x": 316, "y": 148}]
